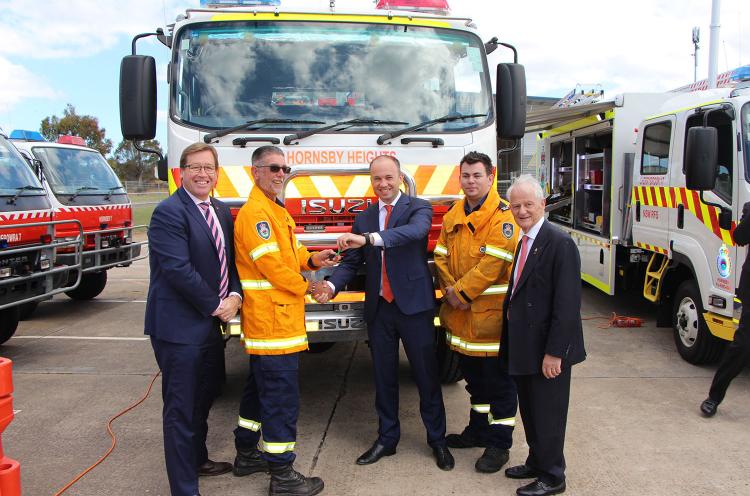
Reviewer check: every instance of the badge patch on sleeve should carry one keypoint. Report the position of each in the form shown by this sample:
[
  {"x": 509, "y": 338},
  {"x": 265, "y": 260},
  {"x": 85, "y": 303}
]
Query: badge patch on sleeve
[
  {"x": 264, "y": 230},
  {"x": 508, "y": 230}
]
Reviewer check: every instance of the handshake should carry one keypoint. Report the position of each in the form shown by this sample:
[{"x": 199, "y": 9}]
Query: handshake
[{"x": 320, "y": 290}]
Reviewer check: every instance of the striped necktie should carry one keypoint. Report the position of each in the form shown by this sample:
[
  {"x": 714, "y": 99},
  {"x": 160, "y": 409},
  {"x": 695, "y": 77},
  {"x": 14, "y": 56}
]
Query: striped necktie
[{"x": 224, "y": 286}]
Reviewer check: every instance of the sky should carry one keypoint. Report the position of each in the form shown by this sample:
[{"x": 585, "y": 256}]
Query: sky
[{"x": 59, "y": 52}]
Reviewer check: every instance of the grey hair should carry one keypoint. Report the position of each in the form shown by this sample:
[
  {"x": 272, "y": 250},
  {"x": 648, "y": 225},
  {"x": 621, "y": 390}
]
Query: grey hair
[{"x": 531, "y": 181}]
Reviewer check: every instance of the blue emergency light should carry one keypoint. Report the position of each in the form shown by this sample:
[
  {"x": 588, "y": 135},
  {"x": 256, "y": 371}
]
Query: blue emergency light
[
  {"x": 741, "y": 73},
  {"x": 240, "y": 3},
  {"x": 22, "y": 134}
]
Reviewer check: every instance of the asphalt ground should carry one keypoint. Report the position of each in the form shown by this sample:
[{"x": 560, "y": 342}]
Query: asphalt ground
[{"x": 633, "y": 428}]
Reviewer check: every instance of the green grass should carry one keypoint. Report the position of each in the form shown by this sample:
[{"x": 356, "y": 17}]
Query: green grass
[{"x": 143, "y": 206}]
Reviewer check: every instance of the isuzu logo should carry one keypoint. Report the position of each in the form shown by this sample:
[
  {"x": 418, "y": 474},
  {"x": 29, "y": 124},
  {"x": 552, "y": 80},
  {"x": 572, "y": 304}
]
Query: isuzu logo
[
  {"x": 347, "y": 323},
  {"x": 317, "y": 206}
]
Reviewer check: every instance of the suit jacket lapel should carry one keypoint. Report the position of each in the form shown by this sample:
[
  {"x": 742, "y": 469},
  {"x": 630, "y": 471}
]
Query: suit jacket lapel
[
  {"x": 195, "y": 213},
  {"x": 219, "y": 210},
  {"x": 398, "y": 210},
  {"x": 534, "y": 254}
]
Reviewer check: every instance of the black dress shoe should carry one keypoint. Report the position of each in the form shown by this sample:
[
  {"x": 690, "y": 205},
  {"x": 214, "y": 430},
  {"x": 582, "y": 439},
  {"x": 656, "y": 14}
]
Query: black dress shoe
[
  {"x": 464, "y": 440},
  {"x": 708, "y": 407},
  {"x": 211, "y": 468},
  {"x": 521, "y": 472},
  {"x": 375, "y": 453},
  {"x": 539, "y": 488},
  {"x": 443, "y": 458}
]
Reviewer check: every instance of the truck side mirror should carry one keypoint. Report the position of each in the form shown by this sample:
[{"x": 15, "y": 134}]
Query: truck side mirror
[
  {"x": 138, "y": 97},
  {"x": 162, "y": 172},
  {"x": 510, "y": 101},
  {"x": 701, "y": 158}
]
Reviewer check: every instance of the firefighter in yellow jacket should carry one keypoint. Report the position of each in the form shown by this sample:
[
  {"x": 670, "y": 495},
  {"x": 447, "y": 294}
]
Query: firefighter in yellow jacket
[
  {"x": 269, "y": 260},
  {"x": 473, "y": 258}
]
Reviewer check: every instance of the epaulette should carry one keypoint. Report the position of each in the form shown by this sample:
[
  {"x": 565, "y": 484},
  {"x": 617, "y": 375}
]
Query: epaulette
[{"x": 503, "y": 206}]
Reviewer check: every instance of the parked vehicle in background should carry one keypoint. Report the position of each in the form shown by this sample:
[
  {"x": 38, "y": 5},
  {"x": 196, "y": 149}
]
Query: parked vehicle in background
[
  {"x": 81, "y": 186},
  {"x": 28, "y": 272}
]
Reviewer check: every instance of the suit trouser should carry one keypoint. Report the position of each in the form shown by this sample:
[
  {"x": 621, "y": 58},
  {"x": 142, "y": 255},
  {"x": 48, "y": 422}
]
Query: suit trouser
[
  {"x": 493, "y": 400},
  {"x": 191, "y": 378},
  {"x": 417, "y": 333},
  {"x": 269, "y": 407},
  {"x": 736, "y": 357},
  {"x": 544, "y": 411}
]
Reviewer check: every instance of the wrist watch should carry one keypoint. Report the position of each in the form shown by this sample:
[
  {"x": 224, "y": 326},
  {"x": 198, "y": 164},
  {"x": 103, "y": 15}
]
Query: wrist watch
[{"x": 368, "y": 240}]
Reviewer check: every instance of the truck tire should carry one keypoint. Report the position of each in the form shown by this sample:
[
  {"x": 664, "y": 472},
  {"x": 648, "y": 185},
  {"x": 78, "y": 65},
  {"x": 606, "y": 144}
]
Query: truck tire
[
  {"x": 27, "y": 309},
  {"x": 91, "y": 285},
  {"x": 9, "y": 323},
  {"x": 694, "y": 341},
  {"x": 448, "y": 369}
]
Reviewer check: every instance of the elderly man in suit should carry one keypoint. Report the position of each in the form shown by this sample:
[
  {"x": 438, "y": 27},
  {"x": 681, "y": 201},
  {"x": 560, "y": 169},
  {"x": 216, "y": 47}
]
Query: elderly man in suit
[
  {"x": 194, "y": 287},
  {"x": 390, "y": 238},
  {"x": 542, "y": 336}
]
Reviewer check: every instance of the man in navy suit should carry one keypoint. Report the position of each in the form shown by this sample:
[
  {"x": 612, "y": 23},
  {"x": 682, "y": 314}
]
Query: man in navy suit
[
  {"x": 390, "y": 238},
  {"x": 542, "y": 336},
  {"x": 194, "y": 287}
]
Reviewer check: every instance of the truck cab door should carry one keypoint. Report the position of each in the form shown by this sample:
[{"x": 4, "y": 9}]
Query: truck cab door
[{"x": 652, "y": 197}]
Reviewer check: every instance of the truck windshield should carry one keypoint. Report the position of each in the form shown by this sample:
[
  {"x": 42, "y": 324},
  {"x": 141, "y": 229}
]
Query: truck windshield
[
  {"x": 16, "y": 177},
  {"x": 77, "y": 172},
  {"x": 746, "y": 138},
  {"x": 228, "y": 73}
]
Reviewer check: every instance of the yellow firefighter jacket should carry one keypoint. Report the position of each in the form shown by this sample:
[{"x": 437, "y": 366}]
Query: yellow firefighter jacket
[
  {"x": 269, "y": 260},
  {"x": 474, "y": 255}
]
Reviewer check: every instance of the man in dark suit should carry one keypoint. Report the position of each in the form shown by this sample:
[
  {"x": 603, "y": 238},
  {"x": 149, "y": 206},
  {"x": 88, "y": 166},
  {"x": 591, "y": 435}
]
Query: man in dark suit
[
  {"x": 194, "y": 287},
  {"x": 390, "y": 238},
  {"x": 542, "y": 336},
  {"x": 737, "y": 355}
]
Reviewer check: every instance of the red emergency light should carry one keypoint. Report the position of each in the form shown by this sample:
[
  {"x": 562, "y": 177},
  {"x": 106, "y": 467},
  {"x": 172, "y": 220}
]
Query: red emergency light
[
  {"x": 429, "y": 6},
  {"x": 71, "y": 140}
]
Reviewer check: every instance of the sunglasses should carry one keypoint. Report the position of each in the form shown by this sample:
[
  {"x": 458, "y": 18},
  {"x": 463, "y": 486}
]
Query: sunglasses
[{"x": 275, "y": 168}]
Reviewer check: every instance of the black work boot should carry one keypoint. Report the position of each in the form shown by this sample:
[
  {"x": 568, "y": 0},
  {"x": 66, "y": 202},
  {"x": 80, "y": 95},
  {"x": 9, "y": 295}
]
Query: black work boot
[
  {"x": 285, "y": 481},
  {"x": 492, "y": 460},
  {"x": 249, "y": 462},
  {"x": 467, "y": 439}
]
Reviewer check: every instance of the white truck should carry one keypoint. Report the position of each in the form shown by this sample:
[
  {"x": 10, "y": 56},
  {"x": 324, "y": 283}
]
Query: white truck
[
  {"x": 650, "y": 186},
  {"x": 334, "y": 88}
]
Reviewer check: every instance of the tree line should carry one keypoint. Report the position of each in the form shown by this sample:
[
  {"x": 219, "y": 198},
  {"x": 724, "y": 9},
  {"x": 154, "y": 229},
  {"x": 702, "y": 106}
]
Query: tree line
[{"x": 127, "y": 162}]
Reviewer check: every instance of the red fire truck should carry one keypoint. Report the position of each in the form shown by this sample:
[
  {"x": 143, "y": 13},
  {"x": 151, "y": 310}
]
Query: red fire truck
[
  {"x": 81, "y": 186},
  {"x": 28, "y": 273}
]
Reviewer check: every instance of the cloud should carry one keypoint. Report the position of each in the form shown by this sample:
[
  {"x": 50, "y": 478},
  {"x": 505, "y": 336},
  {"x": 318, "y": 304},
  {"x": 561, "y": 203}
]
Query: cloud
[{"x": 18, "y": 83}]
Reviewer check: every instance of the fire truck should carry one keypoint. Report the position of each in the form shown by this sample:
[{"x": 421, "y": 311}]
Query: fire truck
[
  {"x": 651, "y": 185},
  {"x": 28, "y": 272},
  {"x": 334, "y": 89},
  {"x": 81, "y": 186}
]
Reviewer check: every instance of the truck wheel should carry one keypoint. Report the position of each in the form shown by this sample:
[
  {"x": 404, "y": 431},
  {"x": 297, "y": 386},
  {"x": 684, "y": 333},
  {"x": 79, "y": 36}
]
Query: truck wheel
[
  {"x": 694, "y": 341},
  {"x": 448, "y": 369},
  {"x": 319, "y": 347},
  {"x": 8, "y": 323},
  {"x": 91, "y": 285},
  {"x": 27, "y": 309}
]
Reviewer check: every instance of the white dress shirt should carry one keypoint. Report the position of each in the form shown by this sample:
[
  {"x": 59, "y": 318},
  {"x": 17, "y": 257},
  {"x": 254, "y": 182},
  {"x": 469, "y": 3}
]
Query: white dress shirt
[{"x": 532, "y": 234}]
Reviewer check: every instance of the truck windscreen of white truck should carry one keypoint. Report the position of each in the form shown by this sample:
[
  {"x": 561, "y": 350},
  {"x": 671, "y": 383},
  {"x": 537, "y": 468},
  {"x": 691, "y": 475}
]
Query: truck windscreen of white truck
[
  {"x": 72, "y": 172},
  {"x": 16, "y": 177},
  {"x": 227, "y": 73}
]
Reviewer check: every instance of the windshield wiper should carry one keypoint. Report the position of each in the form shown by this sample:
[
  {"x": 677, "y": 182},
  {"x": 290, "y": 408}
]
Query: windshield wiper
[
  {"x": 79, "y": 190},
  {"x": 446, "y": 118},
  {"x": 223, "y": 132},
  {"x": 28, "y": 187},
  {"x": 112, "y": 190},
  {"x": 352, "y": 122}
]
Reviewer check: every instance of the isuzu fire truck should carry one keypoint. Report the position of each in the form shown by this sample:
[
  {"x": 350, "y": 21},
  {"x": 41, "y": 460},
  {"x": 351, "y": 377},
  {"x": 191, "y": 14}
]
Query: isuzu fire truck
[
  {"x": 28, "y": 272},
  {"x": 334, "y": 89},
  {"x": 81, "y": 186},
  {"x": 651, "y": 186}
]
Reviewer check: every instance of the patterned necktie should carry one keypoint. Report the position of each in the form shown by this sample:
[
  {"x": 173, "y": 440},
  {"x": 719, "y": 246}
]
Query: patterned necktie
[
  {"x": 224, "y": 287},
  {"x": 521, "y": 260},
  {"x": 385, "y": 283}
]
